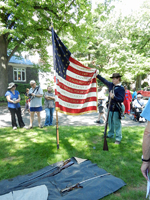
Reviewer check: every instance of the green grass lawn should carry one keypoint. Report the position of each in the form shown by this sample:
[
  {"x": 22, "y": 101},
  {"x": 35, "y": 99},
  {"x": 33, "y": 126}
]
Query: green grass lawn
[{"x": 24, "y": 151}]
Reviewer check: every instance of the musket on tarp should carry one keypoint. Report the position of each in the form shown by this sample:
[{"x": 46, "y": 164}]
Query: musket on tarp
[
  {"x": 105, "y": 146},
  {"x": 57, "y": 130},
  {"x": 67, "y": 163},
  {"x": 78, "y": 185}
]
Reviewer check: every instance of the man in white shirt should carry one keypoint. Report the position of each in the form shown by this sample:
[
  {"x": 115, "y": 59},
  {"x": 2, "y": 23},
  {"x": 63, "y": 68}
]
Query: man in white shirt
[
  {"x": 139, "y": 102},
  {"x": 138, "y": 105},
  {"x": 35, "y": 94}
]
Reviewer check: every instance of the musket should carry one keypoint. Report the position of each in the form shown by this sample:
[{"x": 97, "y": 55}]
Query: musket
[
  {"x": 67, "y": 163},
  {"x": 78, "y": 185},
  {"x": 32, "y": 97},
  {"x": 105, "y": 146}
]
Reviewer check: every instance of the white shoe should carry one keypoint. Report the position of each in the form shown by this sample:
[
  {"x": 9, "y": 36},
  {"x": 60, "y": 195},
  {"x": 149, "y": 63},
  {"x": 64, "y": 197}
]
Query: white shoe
[
  {"x": 14, "y": 128},
  {"x": 25, "y": 127}
]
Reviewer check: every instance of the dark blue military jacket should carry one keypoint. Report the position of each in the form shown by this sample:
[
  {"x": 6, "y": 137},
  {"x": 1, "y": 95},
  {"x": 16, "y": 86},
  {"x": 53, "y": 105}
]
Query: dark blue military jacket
[{"x": 119, "y": 92}]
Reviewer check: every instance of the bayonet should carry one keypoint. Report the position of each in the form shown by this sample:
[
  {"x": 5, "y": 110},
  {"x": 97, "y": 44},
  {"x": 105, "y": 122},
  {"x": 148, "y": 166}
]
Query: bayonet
[{"x": 78, "y": 185}]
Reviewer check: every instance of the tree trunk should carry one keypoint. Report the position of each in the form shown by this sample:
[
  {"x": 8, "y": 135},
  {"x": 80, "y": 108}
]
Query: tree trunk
[
  {"x": 138, "y": 82},
  {"x": 3, "y": 66}
]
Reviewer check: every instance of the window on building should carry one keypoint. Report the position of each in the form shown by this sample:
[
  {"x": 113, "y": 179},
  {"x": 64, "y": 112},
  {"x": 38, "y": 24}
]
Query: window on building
[{"x": 19, "y": 74}]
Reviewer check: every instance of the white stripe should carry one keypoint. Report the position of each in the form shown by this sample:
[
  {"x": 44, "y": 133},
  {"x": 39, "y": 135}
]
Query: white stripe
[
  {"x": 91, "y": 70},
  {"x": 75, "y": 86},
  {"x": 76, "y": 76},
  {"x": 76, "y": 106},
  {"x": 75, "y": 96}
]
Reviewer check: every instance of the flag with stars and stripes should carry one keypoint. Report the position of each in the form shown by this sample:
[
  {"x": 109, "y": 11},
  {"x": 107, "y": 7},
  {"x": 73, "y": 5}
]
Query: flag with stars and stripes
[{"x": 75, "y": 83}]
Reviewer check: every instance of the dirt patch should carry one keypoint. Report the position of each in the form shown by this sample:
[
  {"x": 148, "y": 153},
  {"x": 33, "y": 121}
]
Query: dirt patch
[
  {"x": 141, "y": 188},
  {"x": 9, "y": 158},
  {"x": 97, "y": 139}
]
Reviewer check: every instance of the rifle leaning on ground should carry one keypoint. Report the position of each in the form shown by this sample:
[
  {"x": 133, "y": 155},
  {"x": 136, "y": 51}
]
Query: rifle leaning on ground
[
  {"x": 105, "y": 146},
  {"x": 78, "y": 185}
]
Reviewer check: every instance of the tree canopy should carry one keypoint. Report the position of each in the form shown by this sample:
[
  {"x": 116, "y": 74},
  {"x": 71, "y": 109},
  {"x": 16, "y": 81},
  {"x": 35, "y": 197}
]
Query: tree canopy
[
  {"x": 25, "y": 26},
  {"x": 115, "y": 42},
  {"x": 121, "y": 42}
]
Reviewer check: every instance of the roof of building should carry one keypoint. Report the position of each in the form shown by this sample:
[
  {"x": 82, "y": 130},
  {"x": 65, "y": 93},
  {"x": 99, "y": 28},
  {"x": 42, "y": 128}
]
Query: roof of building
[{"x": 20, "y": 60}]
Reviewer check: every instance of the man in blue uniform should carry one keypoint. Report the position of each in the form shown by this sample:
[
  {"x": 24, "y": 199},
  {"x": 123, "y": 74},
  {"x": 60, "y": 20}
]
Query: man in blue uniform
[{"x": 117, "y": 94}]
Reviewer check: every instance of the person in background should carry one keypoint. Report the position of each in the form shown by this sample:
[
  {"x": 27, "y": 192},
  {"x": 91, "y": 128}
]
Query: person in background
[
  {"x": 116, "y": 93},
  {"x": 134, "y": 95},
  {"x": 102, "y": 105},
  {"x": 13, "y": 99},
  {"x": 27, "y": 101},
  {"x": 145, "y": 168},
  {"x": 127, "y": 100},
  {"x": 49, "y": 106},
  {"x": 35, "y": 94},
  {"x": 138, "y": 105}
]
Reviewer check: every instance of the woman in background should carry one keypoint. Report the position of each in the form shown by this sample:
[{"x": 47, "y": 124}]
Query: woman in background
[{"x": 13, "y": 99}]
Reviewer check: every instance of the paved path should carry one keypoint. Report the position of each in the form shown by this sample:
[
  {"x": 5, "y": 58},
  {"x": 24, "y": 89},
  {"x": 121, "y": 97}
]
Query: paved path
[{"x": 64, "y": 120}]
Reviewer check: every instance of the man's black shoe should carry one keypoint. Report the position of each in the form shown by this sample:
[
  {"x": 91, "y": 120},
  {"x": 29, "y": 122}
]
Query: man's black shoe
[{"x": 97, "y": 122}]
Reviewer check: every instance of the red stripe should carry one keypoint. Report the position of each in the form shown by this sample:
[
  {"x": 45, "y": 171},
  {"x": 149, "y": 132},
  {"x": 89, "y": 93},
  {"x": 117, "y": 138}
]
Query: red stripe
[
  {"x": 76, "y": 111},
  {"x": 81, "y": 73},
  {"x": 56, "y": 92},
  {"x": 75, "y": 91},
  {"x": 77, "y": 63},
  {"x": 54, "y": 79},
  {"x": 75, "y": 101},
  {"x": 79, "y": 82}
]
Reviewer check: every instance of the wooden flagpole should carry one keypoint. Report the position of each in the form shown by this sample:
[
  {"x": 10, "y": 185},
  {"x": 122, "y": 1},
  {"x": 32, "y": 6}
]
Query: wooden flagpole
[{"x": 57, "y": 130}]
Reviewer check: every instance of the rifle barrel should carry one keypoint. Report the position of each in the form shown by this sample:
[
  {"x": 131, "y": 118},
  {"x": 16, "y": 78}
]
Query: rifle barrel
[
  {"x": 32, "y": 180},
  {"x": 105, "y": 146},
  {"x": 69, "y": 163},
  {"x": 77, "y": 185},
  {"x": 94, "y": 178}
]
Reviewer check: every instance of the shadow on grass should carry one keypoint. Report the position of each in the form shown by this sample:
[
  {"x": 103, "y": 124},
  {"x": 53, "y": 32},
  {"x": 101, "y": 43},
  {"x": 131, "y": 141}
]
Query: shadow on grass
[{"x": 25, "y": 151}]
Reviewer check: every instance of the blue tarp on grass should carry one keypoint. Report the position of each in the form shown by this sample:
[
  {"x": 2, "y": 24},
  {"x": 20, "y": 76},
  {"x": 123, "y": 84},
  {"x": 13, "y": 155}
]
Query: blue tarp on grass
[{"x": 79, "y": 171}]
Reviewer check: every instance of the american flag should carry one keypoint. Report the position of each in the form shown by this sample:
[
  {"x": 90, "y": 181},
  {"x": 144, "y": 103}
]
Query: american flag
[{"x": 75, "y": 83}]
